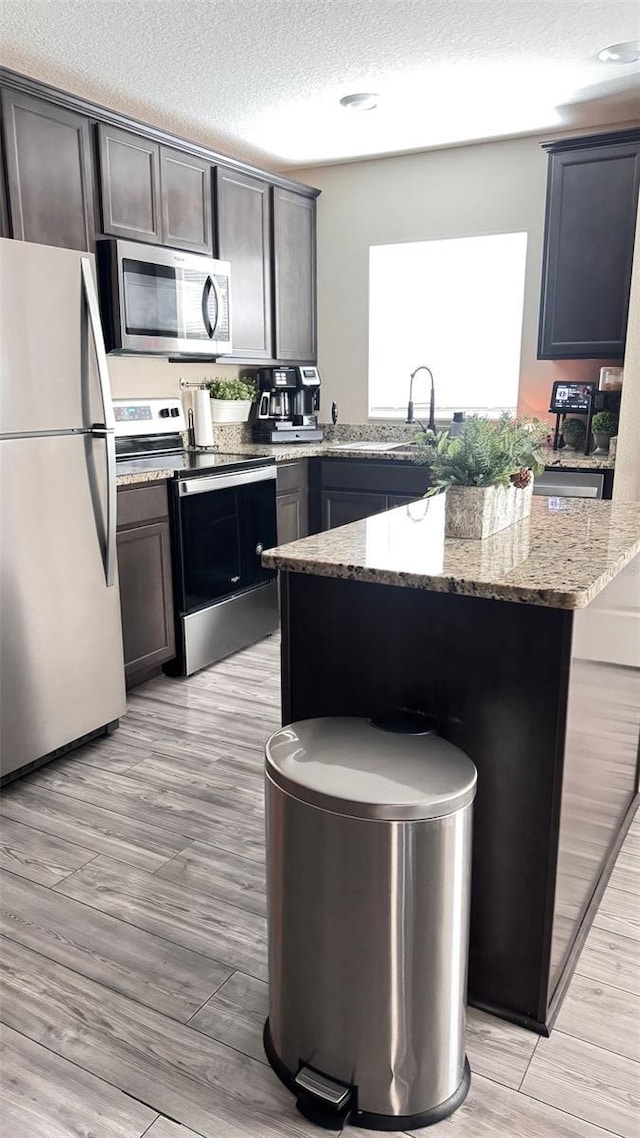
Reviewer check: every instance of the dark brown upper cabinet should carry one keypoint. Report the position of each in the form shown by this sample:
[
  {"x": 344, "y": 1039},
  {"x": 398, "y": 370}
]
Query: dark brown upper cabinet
[
  {"x": 5, "y": 228},
  {"x": 294, "y": 251},
  {"x": 49, "y": 179},
  {"x": 592, "y": 201},
  {"x": 185, "y": 191},
  {"x": 243, "y": 207},
  {"x": 130, "y": 184}
]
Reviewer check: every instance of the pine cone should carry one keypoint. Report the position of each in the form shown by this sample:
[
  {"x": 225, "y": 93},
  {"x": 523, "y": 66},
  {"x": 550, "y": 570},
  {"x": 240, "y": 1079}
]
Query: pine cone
[{"x": 521, "y": 478}]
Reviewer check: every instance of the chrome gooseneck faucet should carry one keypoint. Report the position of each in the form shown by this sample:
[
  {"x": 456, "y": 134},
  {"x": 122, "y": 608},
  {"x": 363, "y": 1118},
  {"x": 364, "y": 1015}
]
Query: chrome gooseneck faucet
[{"x": 432, "y": 401}]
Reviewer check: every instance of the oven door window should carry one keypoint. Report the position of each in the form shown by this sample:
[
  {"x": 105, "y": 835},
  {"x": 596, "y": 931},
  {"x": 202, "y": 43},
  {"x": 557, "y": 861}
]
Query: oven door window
[{"x": 222, "y": 535}]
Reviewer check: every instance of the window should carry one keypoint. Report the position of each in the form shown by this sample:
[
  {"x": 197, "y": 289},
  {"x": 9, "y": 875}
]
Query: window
[{"x": 455, "y": 305}]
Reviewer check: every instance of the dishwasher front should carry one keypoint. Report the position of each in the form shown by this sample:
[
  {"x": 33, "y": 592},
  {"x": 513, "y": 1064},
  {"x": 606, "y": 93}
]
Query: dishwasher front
[{"x": 570, "y": 484}]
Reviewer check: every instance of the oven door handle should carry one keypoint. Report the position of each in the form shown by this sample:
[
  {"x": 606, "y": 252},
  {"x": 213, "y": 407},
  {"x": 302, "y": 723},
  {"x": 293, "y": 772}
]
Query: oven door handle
[{"x": 207, "y": 484}]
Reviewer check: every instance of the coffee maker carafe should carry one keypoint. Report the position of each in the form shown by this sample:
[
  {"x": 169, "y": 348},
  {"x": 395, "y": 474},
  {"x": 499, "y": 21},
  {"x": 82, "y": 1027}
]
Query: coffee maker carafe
[
  {"x": 274, "y": 405},
  {"x": 288, "y": 401}
]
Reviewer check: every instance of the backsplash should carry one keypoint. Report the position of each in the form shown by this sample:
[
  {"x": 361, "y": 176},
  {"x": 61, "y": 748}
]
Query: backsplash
[{"x": 226, "y": 436}]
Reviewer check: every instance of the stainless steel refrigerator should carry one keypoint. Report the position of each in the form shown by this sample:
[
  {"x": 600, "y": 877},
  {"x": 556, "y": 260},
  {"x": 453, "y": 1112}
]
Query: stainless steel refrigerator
[{"x": 61, "y": 663}]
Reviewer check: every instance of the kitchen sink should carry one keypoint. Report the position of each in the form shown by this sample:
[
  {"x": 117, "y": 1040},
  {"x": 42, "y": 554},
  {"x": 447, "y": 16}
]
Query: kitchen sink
[{"x": 375, "y": 447}]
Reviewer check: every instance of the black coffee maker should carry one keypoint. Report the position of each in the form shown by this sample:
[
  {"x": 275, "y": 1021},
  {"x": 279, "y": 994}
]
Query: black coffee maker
[{"x": 288, "y": 403}]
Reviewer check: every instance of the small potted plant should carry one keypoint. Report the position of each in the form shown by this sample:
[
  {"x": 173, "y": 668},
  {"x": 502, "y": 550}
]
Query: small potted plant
[
  {"x": 231, "y": 399},
  {"x": 604, "y": 426},
  {"x": 574, "y": 433},
  {"x": 487, "y": 472}
]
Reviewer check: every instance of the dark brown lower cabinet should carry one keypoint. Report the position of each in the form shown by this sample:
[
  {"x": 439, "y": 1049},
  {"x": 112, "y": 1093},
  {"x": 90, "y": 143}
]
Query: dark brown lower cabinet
[
  {"x": 144, "y": 566},
  {"x": 292, "y": 501},
  {"x": 339, "y": 507},
  {"x": 348, "y": 490}
]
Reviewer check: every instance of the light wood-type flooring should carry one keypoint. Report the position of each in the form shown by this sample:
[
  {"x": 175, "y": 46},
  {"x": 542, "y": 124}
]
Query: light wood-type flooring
[{"x": 134, "y": 947}]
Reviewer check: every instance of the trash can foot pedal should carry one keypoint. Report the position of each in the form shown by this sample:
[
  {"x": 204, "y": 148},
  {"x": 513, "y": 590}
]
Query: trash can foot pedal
[{"x": 322, "y": 1099}]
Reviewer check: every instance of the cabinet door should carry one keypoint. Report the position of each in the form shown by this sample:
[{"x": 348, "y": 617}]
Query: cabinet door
[
  {"x": 185, "y": 185},
  {"x": 342, "y": 506},
  {"x": 401, "y": 500},
  {"x": 592, "y": 197},
  {"x": 5, "y": 228},
  {"x": 294, "y": 247},
  {"x": 49, "y": 179},
  {"x": 144, "y": 567},
  {"x": 243, "y": 208},
  {"x": 130, "y": 184},
  {"x": 293, "y": 516}
]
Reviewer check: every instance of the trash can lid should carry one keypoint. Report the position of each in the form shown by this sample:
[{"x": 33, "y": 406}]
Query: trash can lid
[{"x": 349, "y": 766}]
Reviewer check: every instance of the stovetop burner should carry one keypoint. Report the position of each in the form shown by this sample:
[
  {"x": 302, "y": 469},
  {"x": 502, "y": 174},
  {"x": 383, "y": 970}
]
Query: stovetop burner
[{"x": 187, "y": 462}]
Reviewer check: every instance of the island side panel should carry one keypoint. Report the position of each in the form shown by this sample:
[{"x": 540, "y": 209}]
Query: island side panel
[
  {"x": 602, "y": 753},
  {"x": 496, "y": 675}
]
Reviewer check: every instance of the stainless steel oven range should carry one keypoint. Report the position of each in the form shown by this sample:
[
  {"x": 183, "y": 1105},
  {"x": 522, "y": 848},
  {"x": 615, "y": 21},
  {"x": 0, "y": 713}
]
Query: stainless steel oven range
[{"x": 223, "y": 514}]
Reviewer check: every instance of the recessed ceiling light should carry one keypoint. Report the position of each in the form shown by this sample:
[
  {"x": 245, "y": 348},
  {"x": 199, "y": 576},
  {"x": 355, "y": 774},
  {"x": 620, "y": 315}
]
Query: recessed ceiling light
[
  {"x": 362, "y": 101},
  {"x": 628, "y": 52}
]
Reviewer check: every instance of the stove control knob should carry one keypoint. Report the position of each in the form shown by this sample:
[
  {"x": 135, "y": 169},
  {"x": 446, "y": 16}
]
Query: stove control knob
[
  {"x": 164, "y": 412},
  {"x": 174, "y": 412}
]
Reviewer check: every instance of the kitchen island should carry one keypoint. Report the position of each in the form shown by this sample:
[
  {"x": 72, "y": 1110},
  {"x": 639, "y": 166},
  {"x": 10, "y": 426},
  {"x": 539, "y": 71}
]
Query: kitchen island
[{"x": 525, "y": 649}]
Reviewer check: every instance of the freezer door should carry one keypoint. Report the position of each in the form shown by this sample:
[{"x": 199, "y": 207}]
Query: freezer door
[
  {"x": 61, "y": 661},
  {"x": 49, "y": 378}
]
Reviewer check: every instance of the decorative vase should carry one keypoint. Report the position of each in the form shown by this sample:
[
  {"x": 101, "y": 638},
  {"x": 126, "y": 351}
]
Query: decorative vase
[
  {"x": 478, "y": 511},
  {"x": 574, "y": 442},
  {"x": 602, "y": 443},
  {"x": 230, "y": 410}
]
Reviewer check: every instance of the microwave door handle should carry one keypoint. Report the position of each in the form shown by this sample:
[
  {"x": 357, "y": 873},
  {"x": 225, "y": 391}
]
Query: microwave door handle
[
  {"x": 104, "y": 430},
  {"x": 211, "y": 285}
]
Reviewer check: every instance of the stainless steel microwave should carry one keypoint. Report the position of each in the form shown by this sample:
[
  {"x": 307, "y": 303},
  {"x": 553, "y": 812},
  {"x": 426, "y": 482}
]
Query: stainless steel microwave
[{"x": 158, "y": 301}]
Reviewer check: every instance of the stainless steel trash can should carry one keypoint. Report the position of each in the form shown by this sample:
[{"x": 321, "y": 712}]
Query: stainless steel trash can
[{"x": 368, "y": 875}]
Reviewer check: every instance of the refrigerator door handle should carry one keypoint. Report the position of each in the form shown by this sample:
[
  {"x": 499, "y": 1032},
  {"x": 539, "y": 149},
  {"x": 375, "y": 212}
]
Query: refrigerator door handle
[
  {"x": 105, "y": 430},
  {"x": 98, "y": 432},
  {"x": 93, "y": 308}
]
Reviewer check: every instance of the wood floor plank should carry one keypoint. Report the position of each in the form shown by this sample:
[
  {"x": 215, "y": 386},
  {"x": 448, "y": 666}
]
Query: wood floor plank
[
  {"x": 586, "y": 1081},
  {"x": 164, "y": 976},
  {"x": 601, "y": 1014},
  {"x": 619, "y": 912},
  {"x": 164, "y": 1128},
  {"x": 611, "y": 958},
  {"x": 111, "y": 754},
  {"x": 498, "y": 1049},
  {"x": 626, "y": 874},
  {"x": 236, "y": 1014},
  {"x": 493, "y": 1111},
  {"x": 36, "y": 855},
  {"x": 192, "y": 919},
  {"x": 219, "y": 873},
  {"x": 44, "y": 1096},
  {"x": 94, "y": 827},
  {"x": 176, "y": 1071},
  {"x": 228, "y": 827},
  {"x": 206, "y": 781}
]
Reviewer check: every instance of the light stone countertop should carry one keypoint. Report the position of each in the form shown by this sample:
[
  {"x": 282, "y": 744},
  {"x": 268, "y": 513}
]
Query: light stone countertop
[
  {"x": 564, "y": 459},
  {"x": 562, "y": 556},
  {"x": 136, "y": 479}
]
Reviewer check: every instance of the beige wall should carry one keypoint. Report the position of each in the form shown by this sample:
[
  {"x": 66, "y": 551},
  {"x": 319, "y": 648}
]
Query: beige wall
[
  {"x": 626, "y": 487},
  {"x": 495, "y": 187},
  {"x": 144, "y": 376}
]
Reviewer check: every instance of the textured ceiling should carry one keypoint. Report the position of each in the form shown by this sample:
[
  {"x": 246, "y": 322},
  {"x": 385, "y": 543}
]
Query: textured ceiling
[{"x": 262, "y": 78}]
